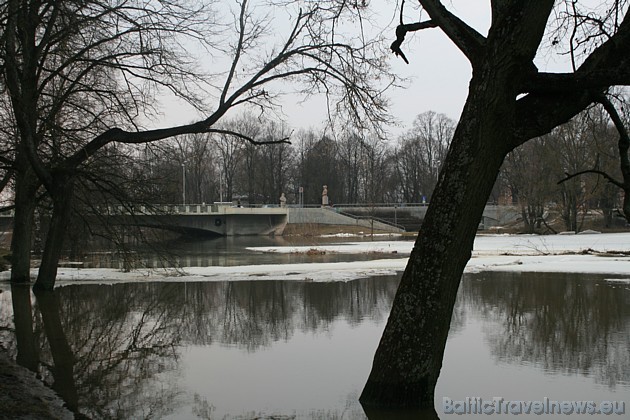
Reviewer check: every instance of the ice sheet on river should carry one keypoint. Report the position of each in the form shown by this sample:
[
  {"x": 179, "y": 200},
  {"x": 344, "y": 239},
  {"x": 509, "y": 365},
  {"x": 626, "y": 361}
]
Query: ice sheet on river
[
  {"x": 594, "y": 253},
  {"x": 484, "y": 245}
]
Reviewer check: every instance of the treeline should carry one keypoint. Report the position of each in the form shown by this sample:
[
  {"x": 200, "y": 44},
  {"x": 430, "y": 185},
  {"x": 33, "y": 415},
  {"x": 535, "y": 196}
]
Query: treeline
[
  {"x": 570, "y": 172},
  {"x": 566, "y": 172},
  {"x": 563, "y": 176},
  {"x": 357, "y": 168}
]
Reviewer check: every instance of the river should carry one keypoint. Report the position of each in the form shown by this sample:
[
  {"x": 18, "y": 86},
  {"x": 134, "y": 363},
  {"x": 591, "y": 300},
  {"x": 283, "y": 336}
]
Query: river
[{"x": 299, "y": 349}]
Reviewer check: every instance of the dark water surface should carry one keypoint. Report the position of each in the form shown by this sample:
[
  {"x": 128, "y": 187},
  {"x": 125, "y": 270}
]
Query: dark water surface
[
  {"x": 233, "y": 251},
  {"x": 278, "y": 349}
]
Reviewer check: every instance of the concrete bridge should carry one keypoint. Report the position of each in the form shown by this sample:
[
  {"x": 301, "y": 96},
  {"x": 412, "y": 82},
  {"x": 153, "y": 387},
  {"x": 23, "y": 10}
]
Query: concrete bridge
[
  {"x": 226, "y": 219},
  {"x": 221, "y": 219},
  {"x": 410, "y": 216}
]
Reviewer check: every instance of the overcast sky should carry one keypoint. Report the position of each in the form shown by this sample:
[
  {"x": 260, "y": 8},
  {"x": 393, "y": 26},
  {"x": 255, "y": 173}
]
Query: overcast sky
[{"x": 439, "y": 73}]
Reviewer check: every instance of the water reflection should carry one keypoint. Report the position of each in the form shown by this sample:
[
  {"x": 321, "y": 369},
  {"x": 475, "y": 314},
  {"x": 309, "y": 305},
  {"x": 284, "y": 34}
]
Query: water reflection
[
  {"x": 562, "y": 323},
  {"x": 25, "y": 337},
  {"x": 261, "y": 348},
  {"x": 226, "y": 251}
]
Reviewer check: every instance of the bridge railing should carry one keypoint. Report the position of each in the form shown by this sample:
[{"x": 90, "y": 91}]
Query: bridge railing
[
  {"x": 368, "y": 218},
  {"x": 204, "y": 208},
  {"x": 177, "y": 209},
  {"x": 386, "y": 205}
]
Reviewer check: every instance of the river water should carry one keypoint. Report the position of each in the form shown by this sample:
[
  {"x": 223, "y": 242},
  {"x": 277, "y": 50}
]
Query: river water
[{"x": 288, "y": 349}]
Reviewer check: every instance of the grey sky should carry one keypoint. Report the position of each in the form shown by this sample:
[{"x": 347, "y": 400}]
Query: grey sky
[{"x": 438, "y": 72}]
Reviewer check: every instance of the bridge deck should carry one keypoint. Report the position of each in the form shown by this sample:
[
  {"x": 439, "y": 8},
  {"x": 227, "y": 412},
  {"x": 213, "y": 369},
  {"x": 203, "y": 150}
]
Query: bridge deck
[{"x": 217, "y": 219}]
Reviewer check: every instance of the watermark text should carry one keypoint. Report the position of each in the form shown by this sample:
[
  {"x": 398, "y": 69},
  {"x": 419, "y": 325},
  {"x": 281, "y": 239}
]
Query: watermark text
[{"x": 498, "y": 405}]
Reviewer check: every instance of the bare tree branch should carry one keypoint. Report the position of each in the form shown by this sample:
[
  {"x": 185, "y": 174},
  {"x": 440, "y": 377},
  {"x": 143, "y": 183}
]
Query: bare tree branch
[
  {"x": 542, "y": 110},
  {"x": 401, "y": 31},
  {"x": 592, "y": 171},
  {"x": 468, "y": 40},
  {"x": 623, "y": 146},
  {"x": 248, "y": 138},
  {"x": 237, "y": 53}
]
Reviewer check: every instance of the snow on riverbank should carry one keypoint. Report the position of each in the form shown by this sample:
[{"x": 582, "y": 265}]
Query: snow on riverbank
[
  {"x": 606, "y": 254},
  {"x": 484, "y": 245}
]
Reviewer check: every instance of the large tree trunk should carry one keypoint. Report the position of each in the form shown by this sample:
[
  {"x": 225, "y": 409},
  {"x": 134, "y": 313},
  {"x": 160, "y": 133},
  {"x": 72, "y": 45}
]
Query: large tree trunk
[
  {"x": 62, "y": 209},
  {"x": 26, "y": 186},
  {"x": 409, "y": 356}
]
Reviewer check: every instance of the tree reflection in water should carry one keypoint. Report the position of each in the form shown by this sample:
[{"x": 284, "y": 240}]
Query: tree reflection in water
[
  {"x": 100, "y": 346},
  {"x": 62, "y": 366},
  {"x": 115, "y": 351},
  {"x": 25, "y": 337},
  {"x": 112, "y": 351},
  {"x": 562, "y": 323}
]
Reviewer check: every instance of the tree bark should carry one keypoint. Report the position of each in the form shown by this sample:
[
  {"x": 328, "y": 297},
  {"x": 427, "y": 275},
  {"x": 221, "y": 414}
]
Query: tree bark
[
  {"x": 409, "y": 357},
  {"x": 62, "y": 208},
  {"x": 408, "y": 360},
  {"x": 26, "y": 186}
]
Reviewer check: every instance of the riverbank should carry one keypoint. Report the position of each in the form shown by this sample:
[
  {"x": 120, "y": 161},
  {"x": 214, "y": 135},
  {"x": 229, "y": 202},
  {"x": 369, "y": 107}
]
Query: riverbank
[{"x": 23, "y": 396}]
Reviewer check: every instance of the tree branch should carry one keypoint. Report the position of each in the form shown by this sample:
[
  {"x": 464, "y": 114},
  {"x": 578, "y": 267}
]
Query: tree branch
[
  {"x": 237, "y": 54},
  {"x": 284, "y": 140},
  {"x": 401, "y": 31},
  {"x": 552, "y": 102},
  {"x": 624, "y": 138},
  {"x": 468, "y": 40},
  {"x": 623, "y": 146},
  {"x": 591, "y": 171}
]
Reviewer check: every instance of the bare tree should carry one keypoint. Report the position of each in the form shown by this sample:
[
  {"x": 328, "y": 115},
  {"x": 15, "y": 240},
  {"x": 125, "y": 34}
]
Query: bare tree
[
  {"x": 509, "y": 102},
  {"x": 618, "y": 177},
  {"x": 246, "y": 176},
  {"x": 421, "y": 151},
  {"x": 196, "y": 161},
  {"x": 536, "y": 172},
  {"x": 528, "y": 175},
  {"x": 275, "y": 160},
  {"x": 409, "y": 168},
  {"x": 432, "y": 133},
  {"x": 577, "y": 153},
  {"x": 305, "y": 141},
  {"x": 373, "y": 170},
  {"x": 73, "y": 94},
  {"x": 351, "y": 156},
  {"x": 321, "y": 167}
]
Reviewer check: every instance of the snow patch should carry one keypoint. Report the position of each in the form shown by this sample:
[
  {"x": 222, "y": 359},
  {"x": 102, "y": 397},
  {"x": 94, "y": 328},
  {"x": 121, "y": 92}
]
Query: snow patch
[{"x": 514, "y": 253}]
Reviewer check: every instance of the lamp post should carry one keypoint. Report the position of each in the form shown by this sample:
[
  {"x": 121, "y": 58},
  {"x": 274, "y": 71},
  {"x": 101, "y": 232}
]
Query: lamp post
[
  {"x": 184, "y": 183},
  {"x": 221, "y": 184}
]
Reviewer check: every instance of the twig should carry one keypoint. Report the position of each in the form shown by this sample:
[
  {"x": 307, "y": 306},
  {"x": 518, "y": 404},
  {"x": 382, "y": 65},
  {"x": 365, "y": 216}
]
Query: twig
[{"x": 402, "y": 29}]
